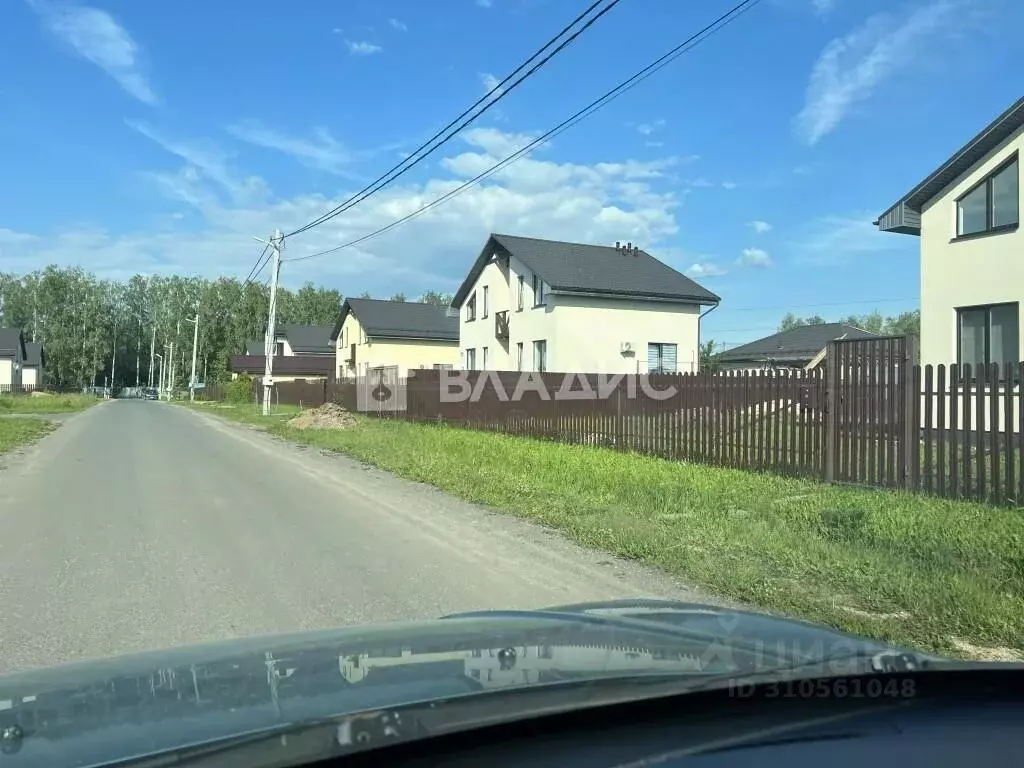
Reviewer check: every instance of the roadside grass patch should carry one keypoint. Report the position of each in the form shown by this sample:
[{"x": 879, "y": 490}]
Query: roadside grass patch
[
  {"x": 935, "y": 574},
  {"x": 68, "y": 403},
  {"x": 18, "y": 432}
]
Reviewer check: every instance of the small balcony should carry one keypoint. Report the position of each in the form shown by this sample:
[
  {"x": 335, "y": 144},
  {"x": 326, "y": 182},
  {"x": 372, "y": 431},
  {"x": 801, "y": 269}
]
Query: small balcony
[{"x": 501, "y": 324}]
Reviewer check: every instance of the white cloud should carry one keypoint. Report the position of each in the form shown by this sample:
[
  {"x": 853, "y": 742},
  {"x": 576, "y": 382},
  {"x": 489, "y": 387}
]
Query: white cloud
[
  {"x": 322, "y": 151},
  {"x": 490, "y": 82},
  {"x": 729, "y": 185},
  {"x": 654, "y": 144},
  {"x": 362, "y": 48},
  {"x": 396, "y": 24},
  {"x": 838, "y": 239},
  {"x": 648, "y": 128},
  {"x": 851, "y": 68},
  {"x": 621, "y": 199},
  {"x": 755, "y": 257},
  {"x": 759, "y": 226},
  {"x": 823, "y": 7},
  {"x": 96, "y": 36},
  {"x": 705, "y": 269},
  {"x": 485, "y": 3}
]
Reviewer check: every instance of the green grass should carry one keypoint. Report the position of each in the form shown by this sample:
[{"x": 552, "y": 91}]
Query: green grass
[
  {"x": 18, "y": 432},
  {"x": 46, "y": 403},
  {"x": 914, "y": 570}
]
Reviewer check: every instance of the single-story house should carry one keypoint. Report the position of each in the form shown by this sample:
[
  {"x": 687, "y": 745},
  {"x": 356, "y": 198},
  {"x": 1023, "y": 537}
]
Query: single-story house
[
  {"x": 12, "y": 358},
  {"x": 528, "y": 304},
  {"x": 801, "y": 348},
  {"x": 34, "y": 369},
  {"x": 301, "y": 353},
  {"x": 394, "y": 337},
  {"x": 966, "y": 213}
]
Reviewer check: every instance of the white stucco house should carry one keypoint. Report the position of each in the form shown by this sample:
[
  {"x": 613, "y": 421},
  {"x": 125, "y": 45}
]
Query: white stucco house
[
  {"x": 967, "y": 216},
  {"x": 12, "y": 358},
  {"x": 543, "y": 305}
]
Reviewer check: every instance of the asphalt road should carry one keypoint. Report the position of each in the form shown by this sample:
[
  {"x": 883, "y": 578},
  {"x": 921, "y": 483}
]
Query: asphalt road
[{"x": 140, "y": 525}]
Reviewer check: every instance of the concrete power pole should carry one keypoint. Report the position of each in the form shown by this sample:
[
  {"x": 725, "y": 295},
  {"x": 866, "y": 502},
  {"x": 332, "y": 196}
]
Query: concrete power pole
[
  {"x": 152, "y": 354},
  {"x": 138, "y": 356},
  {"x": 276, "y": 244},
  {"x": 160, "y": 380},
  {"x": 195, "y": 347}
]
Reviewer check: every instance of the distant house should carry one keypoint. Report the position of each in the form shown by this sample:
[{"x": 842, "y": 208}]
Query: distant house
[
  {"x": 797, "y": 348},
  {"x": 967, "y": 215},
  {"x": 544, "y": 305},
  {"x": 394, "y": 337},
  {"x": 34, "y": 369},
  {"x": 12, "y": 358},
  {"x": 301, "y": 353}
]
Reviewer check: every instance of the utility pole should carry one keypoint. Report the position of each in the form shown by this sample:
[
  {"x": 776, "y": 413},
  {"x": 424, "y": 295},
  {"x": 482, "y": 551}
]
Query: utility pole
[
  {"x": 276, "y": 244},
  {"x": 195, "y": 347},
  {"x": 160, "y": 386},
  {"x": 152, "y": 354},
  {"x": 138, "y": 356},
  {"x": 113, "y": 358}
]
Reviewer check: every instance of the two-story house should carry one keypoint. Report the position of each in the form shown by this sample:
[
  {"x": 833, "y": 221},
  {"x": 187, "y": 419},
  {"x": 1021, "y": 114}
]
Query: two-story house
[
  {"x": 12, "y": 359},
  {"x": 544, "y": 305},
  {"x": 967, "y": 214},
  {"x": 301, "y": 353},
  {"x": 393, "y": 337}
]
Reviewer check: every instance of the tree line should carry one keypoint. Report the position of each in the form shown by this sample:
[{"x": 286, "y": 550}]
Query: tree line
[
  {"x": 95, "y": 331},
  {"x": 905, "y": 323}
]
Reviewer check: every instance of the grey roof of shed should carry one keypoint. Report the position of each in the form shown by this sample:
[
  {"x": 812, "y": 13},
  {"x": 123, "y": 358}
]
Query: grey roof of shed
[
  {"x": 400, "y": 320},
  {"x": 315, "y": 339},
  {"x": 34, "y": 354},
  {"x": 583, "y": 268},
  {"x": 12, "y": 343},
  {"x": 800, "y": 343},
  {"x": 991, "y": 136}
]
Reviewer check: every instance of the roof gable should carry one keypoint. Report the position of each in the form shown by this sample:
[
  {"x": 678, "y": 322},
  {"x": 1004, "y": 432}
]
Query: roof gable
[
  {"x": 590, "y": 269},
  {"x": 800, "y": 343},
  {"x": 400, "y": 319},
  {"x": 314, "y": 339},
  {"x": 12, "y": 343},
  {"x": 904, "y": 216},
  {"x": 34, "y": 354}
]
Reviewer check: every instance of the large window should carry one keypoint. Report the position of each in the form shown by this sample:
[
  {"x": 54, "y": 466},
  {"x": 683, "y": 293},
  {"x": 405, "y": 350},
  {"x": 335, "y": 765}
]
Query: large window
[
  {"x": 471, "y": 308},
  {"x": 661, "y": 358},
  {"x": 540, "y": 356},
  {"x": 519, "y": 356},
  {"x": 487, "y": 302},
  {"x": 989, "y": 334},
  {"x": 538, "y": 291},
  {"x": 991, "y": 205},
  {"x": 470, "y": 359}
]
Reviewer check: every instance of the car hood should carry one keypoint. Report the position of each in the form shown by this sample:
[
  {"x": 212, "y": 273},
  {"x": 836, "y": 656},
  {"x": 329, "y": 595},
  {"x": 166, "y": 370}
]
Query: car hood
[{"x": 96, "y": 711}]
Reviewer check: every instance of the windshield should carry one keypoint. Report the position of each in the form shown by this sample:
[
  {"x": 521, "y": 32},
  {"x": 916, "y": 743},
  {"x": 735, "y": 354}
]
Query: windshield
[{"x": 626, "y": 370}]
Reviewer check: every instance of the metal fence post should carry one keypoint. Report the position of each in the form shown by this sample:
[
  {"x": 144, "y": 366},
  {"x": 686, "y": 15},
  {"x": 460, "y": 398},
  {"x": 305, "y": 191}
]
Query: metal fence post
[{"x": 831, "y": 410}]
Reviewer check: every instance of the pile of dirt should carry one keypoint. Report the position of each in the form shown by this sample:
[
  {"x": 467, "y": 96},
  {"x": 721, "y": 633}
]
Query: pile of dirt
[
  {"x": 327, "y": 416},
  {"x": 37, "y": 393}
]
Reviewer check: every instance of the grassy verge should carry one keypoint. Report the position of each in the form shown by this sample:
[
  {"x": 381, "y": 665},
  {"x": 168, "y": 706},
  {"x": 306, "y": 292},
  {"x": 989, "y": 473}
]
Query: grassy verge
[
  {"x": 46, "y": 403},
  {"x": 924, "y": 572},
  {"x": 18, "y": 432}
]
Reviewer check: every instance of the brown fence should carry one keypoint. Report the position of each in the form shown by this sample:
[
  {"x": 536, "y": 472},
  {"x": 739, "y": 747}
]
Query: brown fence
[{"x": 869, "y": 416}]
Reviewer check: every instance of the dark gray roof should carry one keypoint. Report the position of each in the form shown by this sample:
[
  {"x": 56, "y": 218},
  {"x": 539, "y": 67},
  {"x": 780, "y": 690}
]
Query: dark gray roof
[
  {"x": 582, "y": 268},
  {"x": 313, "y": 339},
  {"x": 400, "y": 320},
  {"x": 254, "y": 347},
  {"x": 34, "y": 354},
  {"x": 904, "y": 216},
  {"x": 796, "y": 344},
  {"x": 12, "y": 343}
]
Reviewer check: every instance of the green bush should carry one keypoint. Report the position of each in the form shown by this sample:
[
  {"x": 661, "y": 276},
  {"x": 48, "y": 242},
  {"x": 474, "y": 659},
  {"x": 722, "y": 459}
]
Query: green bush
[{"x": 239, "y": 391}]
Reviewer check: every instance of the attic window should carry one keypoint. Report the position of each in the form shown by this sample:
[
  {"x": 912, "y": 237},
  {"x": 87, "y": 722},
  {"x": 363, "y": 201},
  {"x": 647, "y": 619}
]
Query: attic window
[
  {"x": 538, "y": 291},
  {"x": 471, "y": 308},
  {"x": 993, "y": 204}
]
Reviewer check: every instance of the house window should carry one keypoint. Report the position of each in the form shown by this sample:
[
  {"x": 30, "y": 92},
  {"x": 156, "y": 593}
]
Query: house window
[
  {"x": 483, "y": 359},
  {"x": 471, "y": 308},
  {"x": 519, "y": 355},
  {"x": 470, "y": 359},
  {"x": 279, "y": 349},
  {"x": 519, "y": 297},
  {"x": 538, "y": 291},
  {"x": 991, "y": 205},
  {"x": 988, "y": 334},
  {"x": 661, "y": 358},
  {"x": 487, "y": 296},
  {"x": 540, "y": 356}
]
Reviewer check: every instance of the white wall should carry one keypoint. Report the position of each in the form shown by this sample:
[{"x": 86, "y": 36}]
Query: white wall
[
  {"x": 9, "y": 377},
  {"x": 982, "y": 270},
  {"x": 30, "y": 377},
  {"x": 583, "y": 333}
]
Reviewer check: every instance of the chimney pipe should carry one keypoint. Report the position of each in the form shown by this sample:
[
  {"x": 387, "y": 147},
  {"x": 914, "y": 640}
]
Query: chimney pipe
[
  {"x": 618, "y": 245},
  {"x": 629, "y": 246}
]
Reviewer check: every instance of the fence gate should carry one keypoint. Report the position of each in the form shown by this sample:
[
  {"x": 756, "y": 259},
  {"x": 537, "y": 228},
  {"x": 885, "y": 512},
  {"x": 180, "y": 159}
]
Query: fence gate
[{"x": 872, "y": 418}]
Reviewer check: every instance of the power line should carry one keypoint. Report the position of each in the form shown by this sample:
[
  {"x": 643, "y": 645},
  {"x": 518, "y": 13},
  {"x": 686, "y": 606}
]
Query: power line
[
  {"x": 691, "y": 42},
  {"x": 257, "y": 267},
  {"x": 828, "y": 304},
  {"x": 499, "y": 91}
]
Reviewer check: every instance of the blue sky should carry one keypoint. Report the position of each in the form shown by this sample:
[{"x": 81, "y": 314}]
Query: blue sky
[{"x": 162, "y": 136}]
